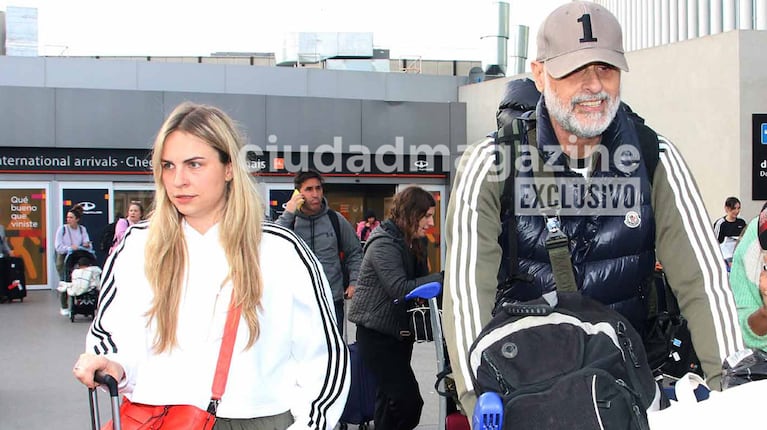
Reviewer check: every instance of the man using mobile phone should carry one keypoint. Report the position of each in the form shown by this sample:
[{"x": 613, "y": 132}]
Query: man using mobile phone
[{"x": 329, "y": 235}]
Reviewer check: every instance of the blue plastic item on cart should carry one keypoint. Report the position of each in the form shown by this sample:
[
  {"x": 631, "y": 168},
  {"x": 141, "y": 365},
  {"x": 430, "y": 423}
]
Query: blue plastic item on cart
[{"x": 488, "y": 413}]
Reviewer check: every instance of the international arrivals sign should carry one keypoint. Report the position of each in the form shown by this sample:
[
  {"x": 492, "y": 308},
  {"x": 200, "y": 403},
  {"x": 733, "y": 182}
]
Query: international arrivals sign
[
  {"x": 125, "y": 161},
  {"x": 75, "y": 160}
]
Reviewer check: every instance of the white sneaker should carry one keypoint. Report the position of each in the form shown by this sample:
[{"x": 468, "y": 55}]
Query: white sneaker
[
  {"x": 64, "y": 312},
  {"x": 62, "y": 287}
]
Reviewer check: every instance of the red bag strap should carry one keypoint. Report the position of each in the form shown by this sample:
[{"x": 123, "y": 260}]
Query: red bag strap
[{"x": 225, "y": 354}]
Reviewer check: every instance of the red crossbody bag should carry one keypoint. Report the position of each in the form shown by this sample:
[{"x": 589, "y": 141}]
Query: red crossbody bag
[{"x": 137, "y": 416}]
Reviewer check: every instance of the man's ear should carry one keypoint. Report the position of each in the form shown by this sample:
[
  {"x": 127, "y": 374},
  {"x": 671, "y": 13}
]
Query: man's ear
[{"x": 538, "y": 74}]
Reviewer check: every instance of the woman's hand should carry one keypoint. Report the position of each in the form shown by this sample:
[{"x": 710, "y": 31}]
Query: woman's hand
[{"x": 87, "y": 365}]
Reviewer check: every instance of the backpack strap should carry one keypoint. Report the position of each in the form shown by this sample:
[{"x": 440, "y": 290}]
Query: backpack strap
[
  {"x": 511, "y": 135},
  {"x": 337, "y": 229},
  {"x": 514, "y": 134},
  {"x": 648, "y": 142},
  {"x": 333, "y": 215},
  {"x": 557, "y": 242}
]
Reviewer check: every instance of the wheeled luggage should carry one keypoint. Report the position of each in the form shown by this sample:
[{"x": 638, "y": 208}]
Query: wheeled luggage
[
  {"x": 13, "y": 284},
  {"x": 360, "y": 405},
  {"x": 111, "y": 384}
]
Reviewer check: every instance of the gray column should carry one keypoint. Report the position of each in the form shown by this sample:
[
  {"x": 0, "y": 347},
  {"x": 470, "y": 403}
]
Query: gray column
[
  {"x": 673, "y": 20},
  {"x": 704, "y": 18},
  {"x": 728, "y": 15},
  {"x": 648, "y": 24},
  {"x": 746, "y": 13},
  {"x": 716, "y": 16},
  {"x": 692, "y": 19},
  {"x": 683, "y": 20},
  {"x": 635, "y": 23},
  {"x": 666, "y": 25},
  {"x": 761, "y": 14}
]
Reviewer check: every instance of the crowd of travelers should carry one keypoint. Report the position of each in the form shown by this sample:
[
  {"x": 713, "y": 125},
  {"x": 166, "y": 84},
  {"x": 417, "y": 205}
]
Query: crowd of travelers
[{"x": 204, "y": 264}]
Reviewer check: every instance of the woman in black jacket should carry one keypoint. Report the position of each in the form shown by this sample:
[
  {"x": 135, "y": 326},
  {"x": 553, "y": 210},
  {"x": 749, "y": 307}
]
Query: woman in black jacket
[{"x": 395, "y": 263}]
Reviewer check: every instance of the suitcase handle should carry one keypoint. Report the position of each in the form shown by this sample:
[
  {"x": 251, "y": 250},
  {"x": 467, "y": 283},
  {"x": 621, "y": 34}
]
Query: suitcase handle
[
  {"x": 110, "y": 382},
  {"x": 104, "y": 378}
]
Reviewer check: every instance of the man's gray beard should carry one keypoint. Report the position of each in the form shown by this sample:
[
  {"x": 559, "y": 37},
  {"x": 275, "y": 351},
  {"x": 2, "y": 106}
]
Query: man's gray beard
[{"x": 565, "y": 115}]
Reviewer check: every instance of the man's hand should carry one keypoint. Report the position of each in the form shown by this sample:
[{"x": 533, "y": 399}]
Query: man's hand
[
  {"x": 349, "y": 293},
  {"x": 294, "y": 203}
]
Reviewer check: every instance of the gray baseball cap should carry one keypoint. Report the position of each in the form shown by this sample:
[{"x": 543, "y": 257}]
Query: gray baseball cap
[{"x": 579, "y": 33}]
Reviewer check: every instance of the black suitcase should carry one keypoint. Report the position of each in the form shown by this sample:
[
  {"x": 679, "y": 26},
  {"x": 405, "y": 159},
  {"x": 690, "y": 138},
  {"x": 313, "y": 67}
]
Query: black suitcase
[
  {"x": 13, "y": 283},
  {"x": 360, "y": 405}
]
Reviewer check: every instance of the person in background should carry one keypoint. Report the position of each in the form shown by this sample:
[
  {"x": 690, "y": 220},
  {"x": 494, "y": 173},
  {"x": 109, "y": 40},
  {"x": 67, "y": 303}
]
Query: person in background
[
  {"x": 307, "y": 213},
  {"x": 366, "y": 226},
  {"x": 748, "y": 280},
  {"x": 579, "y": 114},
  {"x": 730, "y": 225},
  {"x": 728, "y": 229},
  {"x": 85, "y": 278},
  {"x": 70, "y": 237},
  {"x": 395, "y": 262},
  {"x": 167, "y": 290},
  {"x": 135, "y": 214}
]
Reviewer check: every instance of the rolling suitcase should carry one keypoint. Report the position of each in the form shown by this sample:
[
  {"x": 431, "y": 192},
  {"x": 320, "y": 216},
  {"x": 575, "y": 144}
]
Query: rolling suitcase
[
  {"x": 111, "y": 384},
  {"x": 13, "y": 284},
  {"x": 360, "y": 405}
]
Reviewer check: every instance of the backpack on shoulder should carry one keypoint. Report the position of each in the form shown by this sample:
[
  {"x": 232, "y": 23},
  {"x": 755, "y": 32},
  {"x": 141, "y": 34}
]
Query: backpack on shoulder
[{"x": 107, "y": 237}]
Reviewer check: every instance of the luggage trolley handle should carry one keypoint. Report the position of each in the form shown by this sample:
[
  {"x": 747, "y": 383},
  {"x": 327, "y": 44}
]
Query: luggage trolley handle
[{"x": 110, "y": 382}]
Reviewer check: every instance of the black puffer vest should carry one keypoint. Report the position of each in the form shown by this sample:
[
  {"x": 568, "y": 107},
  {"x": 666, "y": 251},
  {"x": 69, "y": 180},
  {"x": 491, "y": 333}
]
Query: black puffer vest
[{"x": 613, "y": 257}]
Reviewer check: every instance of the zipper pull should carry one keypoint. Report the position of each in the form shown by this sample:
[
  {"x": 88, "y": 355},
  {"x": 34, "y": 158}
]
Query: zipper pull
[{"x": 621, "y": 331}]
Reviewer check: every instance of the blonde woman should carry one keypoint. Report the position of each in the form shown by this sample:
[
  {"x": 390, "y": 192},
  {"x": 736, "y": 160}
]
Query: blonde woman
[{"x": 167, "y": 286}]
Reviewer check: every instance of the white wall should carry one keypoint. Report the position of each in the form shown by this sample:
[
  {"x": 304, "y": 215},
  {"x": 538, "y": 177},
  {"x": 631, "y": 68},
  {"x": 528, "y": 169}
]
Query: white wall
[
  {"x": 753, "y": 89},
  {"x": 688, "y": 91},
  {"x": 701, "y": 93}
]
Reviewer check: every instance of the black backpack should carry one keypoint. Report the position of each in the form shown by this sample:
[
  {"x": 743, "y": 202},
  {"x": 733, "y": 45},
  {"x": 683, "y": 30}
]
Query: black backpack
[
  {"x": 577, "y": 364},
  {"x": 107, "y": 238}
]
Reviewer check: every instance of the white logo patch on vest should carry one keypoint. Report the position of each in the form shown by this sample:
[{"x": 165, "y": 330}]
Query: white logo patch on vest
[{"x": 632, "y": 219}]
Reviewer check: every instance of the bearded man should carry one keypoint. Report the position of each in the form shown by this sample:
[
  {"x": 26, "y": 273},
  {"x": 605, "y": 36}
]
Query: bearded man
[{"x": 586, "y": 139}]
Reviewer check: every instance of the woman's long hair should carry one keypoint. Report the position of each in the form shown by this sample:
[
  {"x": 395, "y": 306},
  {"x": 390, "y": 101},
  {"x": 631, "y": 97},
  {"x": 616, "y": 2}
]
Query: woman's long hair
[
  {"x": 409, "y": 206},
  {"x": 239, "y": 226}
]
